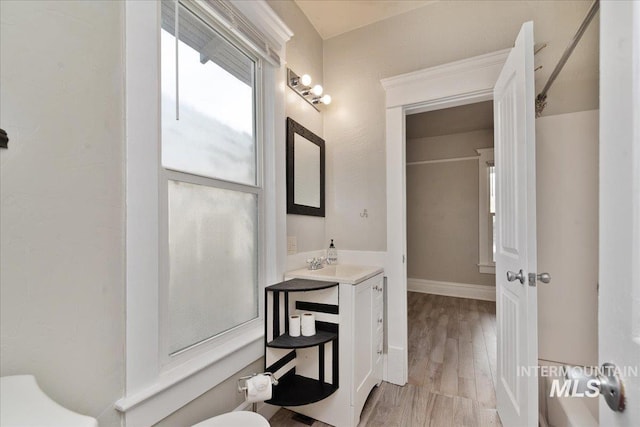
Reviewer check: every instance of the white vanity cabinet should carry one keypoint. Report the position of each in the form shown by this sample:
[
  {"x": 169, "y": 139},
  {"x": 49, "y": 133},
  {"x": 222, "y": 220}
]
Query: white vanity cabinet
[
  {"x": 360, "y": 342},
  {"x": 367, "y": 338}
]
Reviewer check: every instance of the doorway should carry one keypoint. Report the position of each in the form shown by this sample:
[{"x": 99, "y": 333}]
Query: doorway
[
  {"x": 507, "y": 77},
  {"x": 451, "y": 202},
  {"x": 450, "y": 256},
  {"x": 451, "y": 85}
]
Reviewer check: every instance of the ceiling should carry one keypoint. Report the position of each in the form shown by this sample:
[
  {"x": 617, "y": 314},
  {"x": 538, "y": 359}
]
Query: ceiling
[
  {"x": 465, "y": 118},
  {"x": 333, "y": 17}
]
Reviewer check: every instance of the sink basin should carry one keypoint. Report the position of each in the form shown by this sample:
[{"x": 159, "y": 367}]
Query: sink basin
[{"x": 343, "y": 273}]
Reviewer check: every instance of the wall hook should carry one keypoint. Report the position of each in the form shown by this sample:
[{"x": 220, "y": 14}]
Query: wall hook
[{"x": 4, "y": 139}]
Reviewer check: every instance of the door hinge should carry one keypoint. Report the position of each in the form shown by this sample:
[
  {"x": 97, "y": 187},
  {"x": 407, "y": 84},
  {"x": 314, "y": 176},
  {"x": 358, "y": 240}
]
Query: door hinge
[{"x": 403, "y": 258}]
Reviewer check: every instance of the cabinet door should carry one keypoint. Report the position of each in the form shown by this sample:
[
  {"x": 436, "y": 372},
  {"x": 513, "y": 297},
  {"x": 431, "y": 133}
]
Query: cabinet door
[{"x": 363, "y": 342}]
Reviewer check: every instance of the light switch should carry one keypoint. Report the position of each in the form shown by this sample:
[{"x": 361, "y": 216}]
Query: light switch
[{"x": 292, "y": 245}]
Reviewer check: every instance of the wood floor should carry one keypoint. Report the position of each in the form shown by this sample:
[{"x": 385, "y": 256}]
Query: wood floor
[{"x": 452, "y": 369}]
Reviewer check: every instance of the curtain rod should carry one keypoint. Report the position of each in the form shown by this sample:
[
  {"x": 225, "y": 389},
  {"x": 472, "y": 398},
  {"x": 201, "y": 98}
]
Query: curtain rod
[{"x": 541, "y": 99}]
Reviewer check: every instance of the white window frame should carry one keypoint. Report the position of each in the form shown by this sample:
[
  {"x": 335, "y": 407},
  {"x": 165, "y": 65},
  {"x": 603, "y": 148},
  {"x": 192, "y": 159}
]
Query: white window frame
[
  {"x": 485, "y": 252},
  {"x": 156, "y": 385},
  {"x": 249, "y": 328}
]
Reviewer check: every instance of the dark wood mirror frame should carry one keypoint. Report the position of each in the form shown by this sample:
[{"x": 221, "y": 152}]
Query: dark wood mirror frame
[{"x": 294, "y": 127}]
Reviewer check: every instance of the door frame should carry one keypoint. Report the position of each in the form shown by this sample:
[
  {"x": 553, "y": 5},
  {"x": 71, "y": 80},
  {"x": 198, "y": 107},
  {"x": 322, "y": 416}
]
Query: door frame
[{"x": 457, "y": 83}]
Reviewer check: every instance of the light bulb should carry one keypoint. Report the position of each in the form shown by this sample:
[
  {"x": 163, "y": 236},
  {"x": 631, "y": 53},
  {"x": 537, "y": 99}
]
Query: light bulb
[
  {"x": 326, "y": 100},
  {"x": 317, "y": 90},
  {"x": 305, "y": 79}
]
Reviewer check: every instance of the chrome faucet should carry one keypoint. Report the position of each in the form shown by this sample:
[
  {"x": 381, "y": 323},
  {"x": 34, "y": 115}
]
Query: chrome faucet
[{"x": 316, "y": 263}]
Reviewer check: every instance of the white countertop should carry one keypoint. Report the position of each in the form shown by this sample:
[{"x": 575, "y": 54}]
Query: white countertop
[{"x": 342, "y": 273}]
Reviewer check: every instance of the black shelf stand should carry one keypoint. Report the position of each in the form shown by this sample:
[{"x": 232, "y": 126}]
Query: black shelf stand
[{"x": 294, "y": 389}]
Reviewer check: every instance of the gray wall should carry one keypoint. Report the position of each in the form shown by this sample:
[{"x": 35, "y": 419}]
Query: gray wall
[
  {"x": 439, "y": 33},
  {"x": 442, "y": 209},
  {"x": 62, "y": 200}
]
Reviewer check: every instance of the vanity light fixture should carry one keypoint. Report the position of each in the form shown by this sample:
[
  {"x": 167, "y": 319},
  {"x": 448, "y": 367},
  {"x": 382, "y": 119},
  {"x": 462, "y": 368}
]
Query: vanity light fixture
[
  {"x": 302, "y": 86},
  {"x": 326, "y": 100}
]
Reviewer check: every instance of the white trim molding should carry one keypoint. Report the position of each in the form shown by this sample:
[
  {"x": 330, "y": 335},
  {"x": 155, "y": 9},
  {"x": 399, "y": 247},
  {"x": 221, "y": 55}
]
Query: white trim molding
[
  {"x": 452, "y": 289},
  {"x": 487, "y": 268},
  {"x": 467, "y": 76},
  {"x": 260, "y": 14}
]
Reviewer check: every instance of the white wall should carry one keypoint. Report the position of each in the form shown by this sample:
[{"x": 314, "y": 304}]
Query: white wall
[
  {"x": 62, "y": 200},
  {"x": 567, "y": 216},
  {"x": 304, "y": 56},
  {"x": 439, "y": 33}
]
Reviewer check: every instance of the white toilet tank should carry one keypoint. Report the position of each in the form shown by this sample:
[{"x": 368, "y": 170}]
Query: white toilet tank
[{"x": 23, "y": 403}]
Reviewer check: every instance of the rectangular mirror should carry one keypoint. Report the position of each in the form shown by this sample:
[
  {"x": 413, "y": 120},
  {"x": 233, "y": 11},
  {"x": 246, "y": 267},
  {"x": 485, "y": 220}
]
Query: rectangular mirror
[{"x": 305, "y": 171}]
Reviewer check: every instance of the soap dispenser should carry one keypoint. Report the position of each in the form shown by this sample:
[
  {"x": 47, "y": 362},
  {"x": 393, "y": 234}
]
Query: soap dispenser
[{"x": 332, "y": 254}]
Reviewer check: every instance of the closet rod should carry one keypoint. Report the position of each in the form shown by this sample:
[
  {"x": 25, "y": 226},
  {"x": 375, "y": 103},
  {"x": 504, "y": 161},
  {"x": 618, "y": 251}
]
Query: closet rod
[{"x": 541, "y": 99}]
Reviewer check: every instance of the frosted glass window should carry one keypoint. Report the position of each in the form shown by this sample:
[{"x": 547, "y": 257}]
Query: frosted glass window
[
  {"x": 210, "y": 130},
  {"x": 213, "y": 261}
]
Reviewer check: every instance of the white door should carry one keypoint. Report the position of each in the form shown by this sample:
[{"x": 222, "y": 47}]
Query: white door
[
  {"x": 516, "y": 300},
  {"x": 619, "y": 259}
]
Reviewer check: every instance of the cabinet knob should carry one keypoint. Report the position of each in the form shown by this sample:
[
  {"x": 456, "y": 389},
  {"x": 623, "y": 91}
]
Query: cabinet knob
[
  {"x": 379, "y": 351},
  {"x": 380, "y": 320}
]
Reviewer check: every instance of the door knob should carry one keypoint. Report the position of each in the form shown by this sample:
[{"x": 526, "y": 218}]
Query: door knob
[
  {"x": 512, "y": 277},
  {"x": 606, "y": 380},
  {"x": 542, "y": 277}
]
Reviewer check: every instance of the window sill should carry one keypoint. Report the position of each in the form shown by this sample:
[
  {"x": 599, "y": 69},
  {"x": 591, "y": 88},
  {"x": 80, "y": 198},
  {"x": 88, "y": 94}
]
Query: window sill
[
  {"x": 487, "y": 268},
  {"x": 185, "y": 382}
]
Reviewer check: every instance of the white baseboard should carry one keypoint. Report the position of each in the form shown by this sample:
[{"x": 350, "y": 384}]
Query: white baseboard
[{"x": 452, "y": 289}]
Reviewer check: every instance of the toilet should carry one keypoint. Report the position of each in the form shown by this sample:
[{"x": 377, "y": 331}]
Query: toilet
[
  {"x": 25, "y": 404},
  {"x": 235, "y": 419}
]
